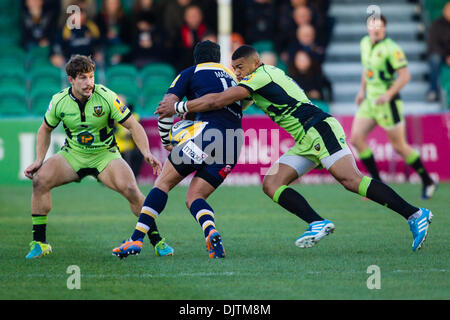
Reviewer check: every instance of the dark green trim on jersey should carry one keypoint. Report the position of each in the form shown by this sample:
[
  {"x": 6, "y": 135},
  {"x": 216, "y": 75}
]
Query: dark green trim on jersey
[
  {"x": 308, "y": 115},
  {"x": 328, "y": 137},
  {"x": 276, "y": 94},
  {"x": 246, "y": 87},
  {"x": 123, "y": 120}
]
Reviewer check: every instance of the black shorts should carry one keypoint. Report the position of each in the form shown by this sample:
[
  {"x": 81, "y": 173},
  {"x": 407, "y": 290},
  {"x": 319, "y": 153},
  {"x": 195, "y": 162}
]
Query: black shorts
[{"x": 212, "y": 154}]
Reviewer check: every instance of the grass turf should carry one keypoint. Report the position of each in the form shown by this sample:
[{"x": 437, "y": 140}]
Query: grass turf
[{"x": 88, "y": 220}]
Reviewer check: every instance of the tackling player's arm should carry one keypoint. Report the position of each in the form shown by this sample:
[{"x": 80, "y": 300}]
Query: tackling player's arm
[
  {"x": 42, "y": 144},
  {"x": 140, "y": 138},
  {"x": 208, "y": 102}
]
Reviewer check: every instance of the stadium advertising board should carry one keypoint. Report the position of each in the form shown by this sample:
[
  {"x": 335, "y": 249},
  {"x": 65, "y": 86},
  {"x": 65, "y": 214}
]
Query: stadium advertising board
[
  {"x": 264, "y": 142},
  {"x": 429, "y": 134}
]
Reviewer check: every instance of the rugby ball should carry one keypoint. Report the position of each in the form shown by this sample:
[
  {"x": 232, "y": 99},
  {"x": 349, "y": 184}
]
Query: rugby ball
[{"x": 180, "y": 131}]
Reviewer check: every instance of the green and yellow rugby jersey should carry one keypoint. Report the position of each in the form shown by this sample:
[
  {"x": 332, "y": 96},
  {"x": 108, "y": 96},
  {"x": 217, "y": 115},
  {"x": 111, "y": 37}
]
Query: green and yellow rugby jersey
[
  {"x": 89, "y": 126},
  {"x": 380, "y": 62},
  {"x": 282, "y": 99}
]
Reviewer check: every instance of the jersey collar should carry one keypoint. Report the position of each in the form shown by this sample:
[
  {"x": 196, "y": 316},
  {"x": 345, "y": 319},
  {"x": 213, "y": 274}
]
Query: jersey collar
[{"x": 78, "y": 101}]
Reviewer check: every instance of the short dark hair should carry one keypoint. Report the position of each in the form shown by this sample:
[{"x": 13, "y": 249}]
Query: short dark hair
[
  {"x": 79, "y": 64},
  {"x": 382, "y": 18},
  {"x": 206, "y": 51},
  {"x": 243, "y": 51}
]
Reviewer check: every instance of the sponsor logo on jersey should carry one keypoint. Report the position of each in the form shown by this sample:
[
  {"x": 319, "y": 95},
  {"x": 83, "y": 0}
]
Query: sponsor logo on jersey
[
  {"x": 248, "y": 78},
  {"x": 119, "y": 105},
  {"x": 98, "y": 111},
  {"x": 317, "y": 147},
  {"x": 399, "y": 56},
  {"x": 369, "y": 73},
  {"x": 194, "y": 152},
  {"x": 85, "y": 138}
]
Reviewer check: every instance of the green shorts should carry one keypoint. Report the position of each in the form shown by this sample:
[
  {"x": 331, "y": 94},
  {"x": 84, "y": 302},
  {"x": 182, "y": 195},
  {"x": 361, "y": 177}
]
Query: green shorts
[
  {"x": 386, "y": 115},
  {"x": 320, "y": 141},
  {"x": 85, "y": 164}
]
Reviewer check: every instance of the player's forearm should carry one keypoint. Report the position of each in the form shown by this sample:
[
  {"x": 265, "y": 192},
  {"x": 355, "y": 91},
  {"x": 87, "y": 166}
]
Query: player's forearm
[
  {"x": 363, "y": 82},
  {"x": 42, "y": 143},
  {"x": 403, "y": 78},
  {"x": 140, "y": 138},
  {"x": 207, "y": 102}
]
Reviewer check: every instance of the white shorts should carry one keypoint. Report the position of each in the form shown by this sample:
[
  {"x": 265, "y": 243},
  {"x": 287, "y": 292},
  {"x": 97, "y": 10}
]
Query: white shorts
[{"x": 303, "y": 165}]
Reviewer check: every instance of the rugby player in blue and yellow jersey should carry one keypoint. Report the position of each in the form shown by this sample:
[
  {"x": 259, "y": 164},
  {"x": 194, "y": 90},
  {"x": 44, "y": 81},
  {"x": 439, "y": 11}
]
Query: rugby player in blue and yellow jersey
[
  {"x": 87, "y": 112},
  {"x": 198, "y": 153},
  {"x": 319, "y": 142}
]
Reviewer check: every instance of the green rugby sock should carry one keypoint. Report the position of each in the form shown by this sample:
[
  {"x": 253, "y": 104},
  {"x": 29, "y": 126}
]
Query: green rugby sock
[{"x": 39, "y": 227}]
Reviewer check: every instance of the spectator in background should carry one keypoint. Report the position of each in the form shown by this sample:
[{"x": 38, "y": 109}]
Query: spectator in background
[
  {"x": 262, "y": 21},
  {"x": 191, "y": 32},
  {"x": 438, "y": 50},
  {"x": 292, "y": 16},
  {"x": 149, "y": 40},
  {"x": 308, "y": 74},
  {"x": 269, "y": 58},
  {"x": 173, "y": 17},
  {"x": 114, "y": 26},
  {"x": 236, "y": 41},
  {"x": 130, "y": 153},
  {"x": 306, "y": 36},
  {"x": 37, "y": 24},
  {"x": 70, "y": 41}
]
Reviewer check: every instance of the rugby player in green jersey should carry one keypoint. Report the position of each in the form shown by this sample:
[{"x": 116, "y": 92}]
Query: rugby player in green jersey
[
  {"x": 319, "y": 142},
  {"x": 87, "y": 112},
  {"x": 379, "y": 102}
]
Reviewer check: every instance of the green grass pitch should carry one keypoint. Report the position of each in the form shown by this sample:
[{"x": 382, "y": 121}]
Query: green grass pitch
[{"x": 88, "y": 220}]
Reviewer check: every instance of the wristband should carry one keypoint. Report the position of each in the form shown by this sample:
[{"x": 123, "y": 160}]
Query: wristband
[{"x": 180, "y": 107}]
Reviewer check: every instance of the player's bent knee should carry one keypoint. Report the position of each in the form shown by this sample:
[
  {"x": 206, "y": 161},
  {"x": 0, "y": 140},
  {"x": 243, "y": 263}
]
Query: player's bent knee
[
  {"x": 269, "y": 187},
  {"x": 41, "y": 183}
]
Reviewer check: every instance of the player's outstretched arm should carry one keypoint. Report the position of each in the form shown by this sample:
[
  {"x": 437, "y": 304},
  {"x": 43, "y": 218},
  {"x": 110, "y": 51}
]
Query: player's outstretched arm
[
  {"x": 140, "y": 138},
  {"x": 42, "y": 144},
  {"x": 208, "y": 102}
]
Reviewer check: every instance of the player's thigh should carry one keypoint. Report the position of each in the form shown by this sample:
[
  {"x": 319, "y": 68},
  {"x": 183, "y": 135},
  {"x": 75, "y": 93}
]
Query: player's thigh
[
  {"x": 397, "y": 135},
  {"x": 345, "y": 171},
  {"x": 118, "y": 176},
  {"x": 169, "y": 177},
  {"x": 55, "y": 171},
  {"x": 361, "y": 128},
  {"x": 198, "y": 189}
]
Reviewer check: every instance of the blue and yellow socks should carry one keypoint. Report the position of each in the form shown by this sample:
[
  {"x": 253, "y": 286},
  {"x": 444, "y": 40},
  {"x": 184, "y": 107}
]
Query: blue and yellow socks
[
  {"x": 154, "y": 204},
  {"x": 204, "y": 214}
]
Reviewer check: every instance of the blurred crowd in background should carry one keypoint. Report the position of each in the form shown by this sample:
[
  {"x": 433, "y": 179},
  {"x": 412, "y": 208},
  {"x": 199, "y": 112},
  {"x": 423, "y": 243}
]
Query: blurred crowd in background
[{"x": 292, "y": 34}]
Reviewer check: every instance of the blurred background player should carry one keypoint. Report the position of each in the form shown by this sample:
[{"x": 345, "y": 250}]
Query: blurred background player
[
  {"x": 210, "y": 167},
  {"x": 379, "y": 101},
  {"x": 85, "y": 110},
  {"x": 320, "y": 142}
]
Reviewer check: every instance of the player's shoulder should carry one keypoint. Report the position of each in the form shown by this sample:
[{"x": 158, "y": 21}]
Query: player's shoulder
[
  {"x": 389, "y": 42},
  {"x": 365, "y": 40},
  {"x": 104, "y": 92},
  {"x": 59, "y": 96}
]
